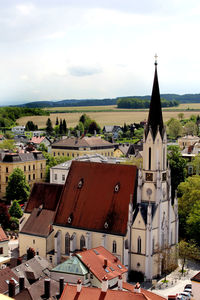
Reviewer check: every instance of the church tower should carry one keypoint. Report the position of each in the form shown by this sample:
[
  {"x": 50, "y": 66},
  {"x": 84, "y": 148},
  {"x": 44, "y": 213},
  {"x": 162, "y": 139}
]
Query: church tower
[{"x": 155, "y": 222}]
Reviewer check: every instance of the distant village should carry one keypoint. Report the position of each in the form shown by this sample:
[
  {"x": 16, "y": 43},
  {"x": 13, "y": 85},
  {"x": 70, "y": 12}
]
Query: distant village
[{"x": 100, "y": 214}]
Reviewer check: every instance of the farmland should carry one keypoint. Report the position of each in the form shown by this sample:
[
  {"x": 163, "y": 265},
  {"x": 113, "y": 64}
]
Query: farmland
[{"x": 107, "y": 115}]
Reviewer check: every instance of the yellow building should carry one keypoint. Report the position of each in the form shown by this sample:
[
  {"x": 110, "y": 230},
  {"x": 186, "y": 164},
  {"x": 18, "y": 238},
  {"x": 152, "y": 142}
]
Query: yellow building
[
  {"x": 33, "y": 164},
  {"x": 74, "y": 147}
]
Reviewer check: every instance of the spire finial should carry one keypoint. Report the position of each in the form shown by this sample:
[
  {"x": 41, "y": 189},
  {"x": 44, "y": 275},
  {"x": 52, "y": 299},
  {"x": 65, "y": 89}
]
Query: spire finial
[{"x": 156, "y": 56}]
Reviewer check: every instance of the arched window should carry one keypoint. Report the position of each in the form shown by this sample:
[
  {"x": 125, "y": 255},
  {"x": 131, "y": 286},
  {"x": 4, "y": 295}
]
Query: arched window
[
  {"x": 163, "y": 158},
  {"x": 153, "y": 245},
  {"x": 126, "y": 244},
  {"x": 139, "y": 245},
  {"x": 114, "y": 247},
  {"x": 149, "y": 158},
  {"x": 67, "y": 243},
  {"x": 82, "y": 242}
]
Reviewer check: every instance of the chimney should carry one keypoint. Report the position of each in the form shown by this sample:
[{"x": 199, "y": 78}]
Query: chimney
[
  {"x": 137, "y": 288},
  {"x": 104, "y": 285},
  {"x": 61, "y": 285},
  {"x": 47, "y": 288},
  {"x": 11, "y": 288},
  {"x": 79, "y": 286},
  {"x": 105, "y": 263},
  {"x": 120, "y": 282},
  {"x": 21, "y": 283}
]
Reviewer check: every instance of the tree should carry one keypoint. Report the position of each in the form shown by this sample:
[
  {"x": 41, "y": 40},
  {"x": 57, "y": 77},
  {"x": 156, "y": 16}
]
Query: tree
[
  {"x": 187, "y": 250},
  {"x": 174, "y": 128},
  {"x": 43, "y": 148},
  {"x": 61, "y": 127},
  {"x": 193, "y": 222},
  {"x": 4, "y": 216},
  {"x": 64, "y": 126},
  {"x": 190, "y": 128},
  {"x": 30, "y": 126},
  {"x": 181, "y": 116},
  {"x": 94, "y": 127},
  {"x": 189, "y": 192},
  {"x": 177, "y": 166},
  {"x": 15, "y": 210},
  {"x": 7, "y": 144},
  {"x": 57, "y": 122},
  {"x": 17, "y": 187},
  {"x": 196, "y": 164},
  {"x": 49, "y": 128}
]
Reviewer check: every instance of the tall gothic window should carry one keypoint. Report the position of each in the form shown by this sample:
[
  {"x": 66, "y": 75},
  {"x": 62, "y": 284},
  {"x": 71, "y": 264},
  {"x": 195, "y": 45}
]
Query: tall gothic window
[
  {"x": 126, "y": 244},
  {"x": 67, "y": 243},
  {"x": 82, "y": 242},
  {"x": 163, "y": 158},
  {"x": 149, "y": 158},
  {"x": 139, "y": 245},
  {"x": 153, "y": 245},
  {"x": 114, "y": 247}
]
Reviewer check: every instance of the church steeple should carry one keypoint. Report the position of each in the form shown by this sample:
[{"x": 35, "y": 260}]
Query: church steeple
[{"x": 155, "y": 119}]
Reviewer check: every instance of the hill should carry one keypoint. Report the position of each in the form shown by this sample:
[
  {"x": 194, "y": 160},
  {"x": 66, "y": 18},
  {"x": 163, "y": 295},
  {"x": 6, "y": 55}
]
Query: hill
[{"x": 186, "y": 98}]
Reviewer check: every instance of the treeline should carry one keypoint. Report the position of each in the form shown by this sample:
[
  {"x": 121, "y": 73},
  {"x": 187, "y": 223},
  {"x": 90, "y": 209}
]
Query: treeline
[
  {"x": 9, "y": 115},
  {"x": 141, "y": 103}
]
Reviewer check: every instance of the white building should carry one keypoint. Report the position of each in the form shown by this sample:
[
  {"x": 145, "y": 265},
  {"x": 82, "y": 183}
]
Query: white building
[{"x": 18, "y": 129}]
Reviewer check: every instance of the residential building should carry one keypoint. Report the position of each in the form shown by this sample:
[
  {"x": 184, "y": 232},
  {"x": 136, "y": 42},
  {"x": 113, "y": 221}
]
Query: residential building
[
  {"x": 98, "y": 207},
  {"x": 187, "y": 141},
  {"x": 32, "y": 164},
  {"x": 18, "y": 129},
  {"x": 74, "y": 147},
  {"x": 38, "y": 140},
  {"x": 4, "y": 255}
]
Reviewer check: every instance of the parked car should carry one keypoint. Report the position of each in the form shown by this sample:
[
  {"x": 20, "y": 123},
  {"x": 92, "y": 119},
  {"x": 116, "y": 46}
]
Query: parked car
[
  {"x": 186, "y": 296},
  {"x": 188, "y": 286}
]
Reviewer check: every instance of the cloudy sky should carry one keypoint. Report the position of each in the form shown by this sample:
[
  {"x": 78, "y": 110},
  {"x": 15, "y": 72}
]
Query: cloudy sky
[{"x": 62, "y": 49}]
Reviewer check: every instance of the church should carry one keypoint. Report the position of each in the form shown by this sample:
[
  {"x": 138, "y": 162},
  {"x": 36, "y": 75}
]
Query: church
[{"x": 124, "y": 209}]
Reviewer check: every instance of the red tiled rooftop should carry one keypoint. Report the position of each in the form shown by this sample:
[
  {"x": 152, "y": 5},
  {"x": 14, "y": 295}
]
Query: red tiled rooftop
[
  {"x": 37, "y": 140},
  {"x": 6, "y": 274},
  {"x": 95, "y": 262},
  {"x": 45, "y": 194},
  {"x": 3, "y": 236},
  {"x": 129, "y": 287},
  {"x": 89, "y": 293},
  {"x": 196, "y": 277},
  {"x": 97, "y": 202}
]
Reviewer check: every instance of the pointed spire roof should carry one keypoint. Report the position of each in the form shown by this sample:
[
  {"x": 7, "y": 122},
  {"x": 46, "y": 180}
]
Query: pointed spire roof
[{"x": 155, "y": 119}]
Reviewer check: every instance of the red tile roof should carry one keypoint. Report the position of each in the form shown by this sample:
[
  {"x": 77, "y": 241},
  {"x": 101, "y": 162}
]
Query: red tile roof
[
  {"x": 196, "y": 277},
  {"x": 94, "y": 260},
  {"x": 96, "y": 195},
  {"x": 37, "y": 140},
  {"x": 89, "y": 293},
  {"x": 3, "y": 236},
  {"x": 129, "y": 287},
  {"x": 45, "y": 194},
  {"x": 39, "y": 223},
  {"x": 6, "y": 274},
  {"x": 87, "y": 142}
]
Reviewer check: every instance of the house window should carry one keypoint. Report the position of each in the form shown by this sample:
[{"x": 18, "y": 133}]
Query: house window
[
  {"x": 50, "y": 258},
  {"x": 1, "y": 250},
  {"x": 6, "y": 169},
  {"x": 6, "y": 178},
  {"x": 24, "y": 168},
  {"x": 63, "y": 154},
  {"x": 55, "y": 177},
  {"x": 67, "y": 243},
  {"x": 33, "y": 241},
  {"x": 82, "y": 242},
  {"x": 33, "y": 167},
  {"x": 41, "y": 175},
  {"x": 149, "y": 158},
  {"x": 29, "y": 177},
  {"x": 54, "y": 154},
  {"x": 139, "y": 245},
  {"x": 114, "y": 247},
  {"x": 126, "y": 244},
  {"x": 33, "y": 176},
  {"x": 63, "y": 177},
  {"x": 29, "y": 168},
  {"x": 41, "y": 165}
]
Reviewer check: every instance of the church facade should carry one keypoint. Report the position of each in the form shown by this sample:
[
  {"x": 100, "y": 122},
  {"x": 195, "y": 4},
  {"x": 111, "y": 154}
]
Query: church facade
[{"x": 128, "y": 211}]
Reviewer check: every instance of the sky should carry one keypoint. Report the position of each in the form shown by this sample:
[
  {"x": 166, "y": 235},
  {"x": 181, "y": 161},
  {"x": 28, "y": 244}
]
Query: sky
[{"x": 78, "y": 49}]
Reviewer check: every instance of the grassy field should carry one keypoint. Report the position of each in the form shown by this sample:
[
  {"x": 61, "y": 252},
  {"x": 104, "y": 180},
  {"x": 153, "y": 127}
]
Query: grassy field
[{"x": 107, "y": 115}]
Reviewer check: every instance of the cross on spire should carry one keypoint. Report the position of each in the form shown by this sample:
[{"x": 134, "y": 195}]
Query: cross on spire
[{"x": 156, "y": 56}]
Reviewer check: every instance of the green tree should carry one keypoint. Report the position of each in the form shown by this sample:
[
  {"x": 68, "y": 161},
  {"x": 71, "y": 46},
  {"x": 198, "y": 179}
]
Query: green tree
[
  {"x": 190, "y": 128},
  {"x": 193, "y": 222},
  {"x": 189, "y": 192},
  {"x": 177, "y": 166},
  {"x": 30, "y": 126},
  {"x": 181, "y": 116},
  {"x": 14, "y": 223},
  {"x": 15, "y": 210},
  {"x": 43, "y": 148},
  {"x": 49, "y": 128},
  {"x": 61, "y": 127},
  {"x": 174, "y": 128},
  {"x": 57, "y": 122},
  {"x": 17, "y": 188},
  {"x": 187, "y": 250},
  {"x": 64, "y": 126},
  {"x": 94, "y": 127},
  {"x": 7, "y": 144}
]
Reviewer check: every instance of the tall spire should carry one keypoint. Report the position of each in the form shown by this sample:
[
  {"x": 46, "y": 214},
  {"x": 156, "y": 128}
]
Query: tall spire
[{"x": 155, "y": 119}]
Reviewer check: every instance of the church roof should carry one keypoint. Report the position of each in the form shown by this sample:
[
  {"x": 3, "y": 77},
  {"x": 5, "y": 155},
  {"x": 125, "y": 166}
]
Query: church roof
[
  {"x": 44, "y": 194},
  {"x": 96, "y": 197},
  {"x": 142, "y": 207},
  {"x": 155, "y": 119}
]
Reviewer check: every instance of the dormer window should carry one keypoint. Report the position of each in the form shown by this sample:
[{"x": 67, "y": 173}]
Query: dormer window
[
  {"x": 106, "y": 225},
  {"x": 69, "y": 220},
  {"x": 80, "y": 184},
  {"x": 117, "y": 187}
]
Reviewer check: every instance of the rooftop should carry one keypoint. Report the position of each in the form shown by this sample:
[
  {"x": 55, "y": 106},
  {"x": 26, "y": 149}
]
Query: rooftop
[
  {"x": 72, "y": 265},
  {"x": 85, "y": 142}
]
